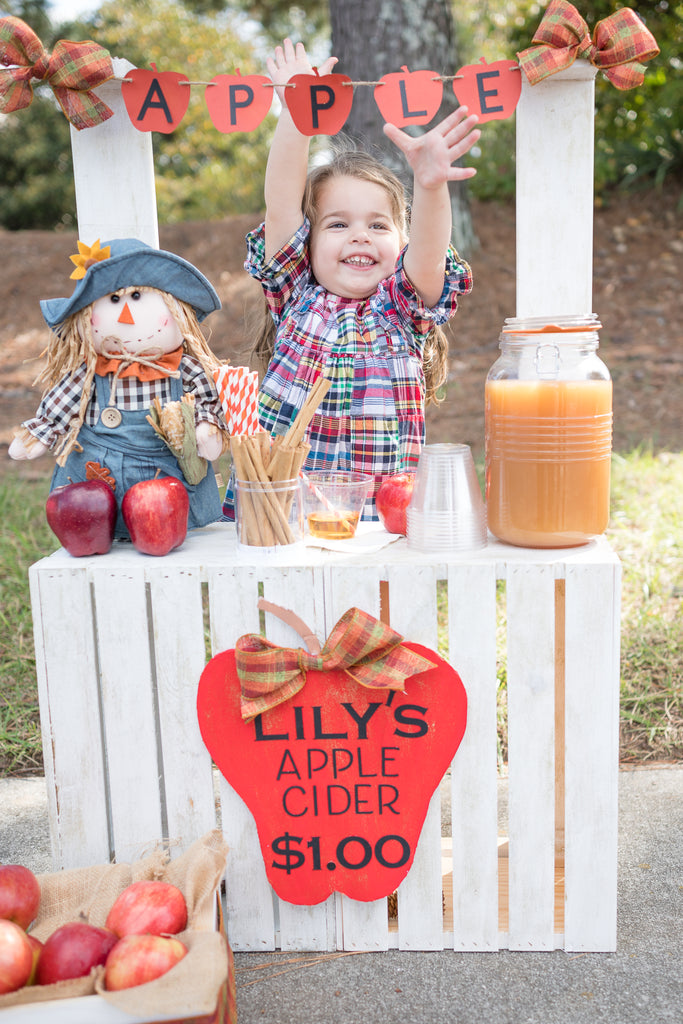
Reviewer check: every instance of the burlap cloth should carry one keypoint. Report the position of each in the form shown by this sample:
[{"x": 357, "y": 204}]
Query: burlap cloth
[{"x": 193, "y": 985}]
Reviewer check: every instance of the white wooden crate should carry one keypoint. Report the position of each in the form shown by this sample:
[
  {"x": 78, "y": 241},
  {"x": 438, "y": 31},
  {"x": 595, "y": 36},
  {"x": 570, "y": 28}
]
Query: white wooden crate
[{"x": 121, "y": 641}]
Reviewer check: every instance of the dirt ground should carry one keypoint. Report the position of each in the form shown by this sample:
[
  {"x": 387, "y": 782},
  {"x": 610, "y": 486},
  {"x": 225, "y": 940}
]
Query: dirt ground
[{"x": 638, "y": 262}]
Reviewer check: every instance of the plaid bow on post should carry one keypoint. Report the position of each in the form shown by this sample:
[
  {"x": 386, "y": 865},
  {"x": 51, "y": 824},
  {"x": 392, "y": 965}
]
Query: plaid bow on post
[
  {"x": 369, "y": 651},
  {"x": 72, "y": 70},
  {"x": 619, "y": 43}
]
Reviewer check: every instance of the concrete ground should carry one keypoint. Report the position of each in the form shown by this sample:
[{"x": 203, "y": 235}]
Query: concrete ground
[{"x": 641, "y": 983}]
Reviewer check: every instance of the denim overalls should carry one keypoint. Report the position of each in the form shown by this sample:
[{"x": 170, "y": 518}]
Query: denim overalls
[{"x": 132, "y": 451}]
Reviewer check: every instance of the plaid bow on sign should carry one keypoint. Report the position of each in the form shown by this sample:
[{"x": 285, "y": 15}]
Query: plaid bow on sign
[
  {"x": 619, "y": 42},
  {"x": 72, "y": 71},
  {"x": 365, "y": 648}
]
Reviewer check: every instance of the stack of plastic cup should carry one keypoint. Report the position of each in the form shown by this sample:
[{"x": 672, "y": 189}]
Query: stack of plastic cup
[{"x": 446, "y": 512}]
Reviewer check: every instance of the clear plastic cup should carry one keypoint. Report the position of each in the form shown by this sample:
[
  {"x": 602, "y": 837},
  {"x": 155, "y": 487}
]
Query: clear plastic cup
[
  {"x": 333, "y": 503},
  {"x": 268, "y": 515},
  {"x": 446, "y": 511}
]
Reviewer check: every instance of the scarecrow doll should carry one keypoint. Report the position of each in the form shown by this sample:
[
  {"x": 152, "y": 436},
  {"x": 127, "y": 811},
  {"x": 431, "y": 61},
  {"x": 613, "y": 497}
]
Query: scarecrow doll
[{"x": 129, "y": 386}]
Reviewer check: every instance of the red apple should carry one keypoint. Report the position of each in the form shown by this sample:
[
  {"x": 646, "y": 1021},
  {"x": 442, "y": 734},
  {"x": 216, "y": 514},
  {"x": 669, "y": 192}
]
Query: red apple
[
  {"x": 37, "y": 947},
  {"x": 148, "y": 907},
  {"x": 238, "y": 103},
  {"x": 155, "y": 512},
  {"x": 392, "y": 500},
  {"x": 19, "y": 894},
  {"x": 16, "y": 957},
  {"x": 82, "y": 516},
  {"x": 72, "y": 951},
  {"x": 137, "y": 959}
]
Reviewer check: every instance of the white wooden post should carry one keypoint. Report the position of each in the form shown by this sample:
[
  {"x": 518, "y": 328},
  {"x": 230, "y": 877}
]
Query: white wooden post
[
  {"x": 114, "y": 173},
  {"x": 555, "y": 193}
]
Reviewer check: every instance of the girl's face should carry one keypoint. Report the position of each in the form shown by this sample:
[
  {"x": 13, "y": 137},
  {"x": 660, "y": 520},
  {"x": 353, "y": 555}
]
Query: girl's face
[
  {"x": 354, "y": 241},
  {"x": 134, "y": 321}
]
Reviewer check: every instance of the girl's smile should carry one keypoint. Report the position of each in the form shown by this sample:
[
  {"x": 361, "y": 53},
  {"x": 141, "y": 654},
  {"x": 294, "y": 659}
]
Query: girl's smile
[{"x": 354, "y": 241}]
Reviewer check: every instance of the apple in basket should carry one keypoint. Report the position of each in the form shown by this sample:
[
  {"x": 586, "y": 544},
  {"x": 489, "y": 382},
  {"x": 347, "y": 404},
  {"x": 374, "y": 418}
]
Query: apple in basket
[
  {"x": 148, "y": 906},
  {"x": 155, "y": 512},
  {"x": 16, "y": 957},
  {"x": 72, "y": 951},
  {"x": 82, "y": 516},
  {"x": 137, "y": 959},
  {"x": 19, "y": 894},
  {"x": 392, "y": 500}
]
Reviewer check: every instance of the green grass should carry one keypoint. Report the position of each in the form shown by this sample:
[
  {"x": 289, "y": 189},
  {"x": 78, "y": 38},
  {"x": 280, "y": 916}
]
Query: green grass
[{"x": 647, "y": 494}]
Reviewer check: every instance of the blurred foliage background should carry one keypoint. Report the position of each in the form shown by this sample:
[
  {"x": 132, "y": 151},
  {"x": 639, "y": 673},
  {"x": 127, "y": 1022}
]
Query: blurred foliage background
[{"x": 639, "y": 134}]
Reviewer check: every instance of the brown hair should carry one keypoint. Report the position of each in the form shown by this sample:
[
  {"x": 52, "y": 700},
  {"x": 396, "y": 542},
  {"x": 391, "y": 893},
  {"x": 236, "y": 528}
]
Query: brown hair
[{"x": 356, "y": 163}]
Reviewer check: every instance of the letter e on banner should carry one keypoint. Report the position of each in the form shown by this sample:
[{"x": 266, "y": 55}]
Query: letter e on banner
[
  {"x": 491, "y": 91},
  {"x": 156, "y": 101},
  {"x": 238, "y": 103}
]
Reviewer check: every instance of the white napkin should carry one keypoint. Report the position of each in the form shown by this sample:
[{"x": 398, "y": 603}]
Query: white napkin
[{"x": 369, "y": 537}]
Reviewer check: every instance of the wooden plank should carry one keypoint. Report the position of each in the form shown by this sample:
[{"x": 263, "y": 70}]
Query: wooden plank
[
  {"x": 531, "y": 754},
  {"x": 250, "y": 916},
  {"x": 362, "y": 926},
  {"x": 128, "y": 710},
  {"x": 554, "y": 155},
  {"x": 179, "y": 656},
  {"x": 301, "y": 590},
  {"x": 114, "y": 174},
  {"x": 66, "y": 664},
  {"x": 474, "y": 827},
  {"x": 592, "y": 756},
  {"x": 413, "y": 609}
]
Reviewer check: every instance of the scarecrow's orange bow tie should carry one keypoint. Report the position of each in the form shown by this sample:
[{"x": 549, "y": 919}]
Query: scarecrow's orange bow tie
[
  {"x": 73, "y": 70},
  {"x": 365, "y": 648},
  {"x": 619, "y": 43}
]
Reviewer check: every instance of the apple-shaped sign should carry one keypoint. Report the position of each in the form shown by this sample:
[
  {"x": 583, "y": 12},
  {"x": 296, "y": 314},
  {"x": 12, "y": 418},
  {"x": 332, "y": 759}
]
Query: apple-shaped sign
[
  {"x": 392, "y": 500},
  {"x": 409, "y": 97},
  {"x": 338, "y": 778},
  {"x": 238, "y": 103},
  {"x": 156, "y": 512},
  {"x": 491, "y": 91},
  {"x": 319, "y": 104},
  {"x": 156, "y": 101},
  {"x": 82, "y": 516}
]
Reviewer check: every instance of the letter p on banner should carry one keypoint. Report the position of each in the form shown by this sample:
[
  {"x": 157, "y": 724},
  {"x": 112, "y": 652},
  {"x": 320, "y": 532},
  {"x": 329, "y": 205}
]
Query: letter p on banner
[{"x": 319, "y": 104}]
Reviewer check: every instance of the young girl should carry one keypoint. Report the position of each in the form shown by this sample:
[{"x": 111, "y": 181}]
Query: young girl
[{"x": 349, "y": 295}]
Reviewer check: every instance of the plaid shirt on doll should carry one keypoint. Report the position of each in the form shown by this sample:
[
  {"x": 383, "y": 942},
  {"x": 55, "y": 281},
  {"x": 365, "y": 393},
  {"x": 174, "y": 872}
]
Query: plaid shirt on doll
[
  {"x": 372, "y": 418},
  {"x": 61, "y": 403}
]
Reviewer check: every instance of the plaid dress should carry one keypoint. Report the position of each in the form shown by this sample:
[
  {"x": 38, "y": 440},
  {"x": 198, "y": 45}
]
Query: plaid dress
[{"x": 372, "y": 418}]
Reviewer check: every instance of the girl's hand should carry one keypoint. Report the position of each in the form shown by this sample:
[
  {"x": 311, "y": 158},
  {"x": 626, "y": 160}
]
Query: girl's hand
[
  {"x": 432, "y": 155},
  {"x": 290, "y": 60}
]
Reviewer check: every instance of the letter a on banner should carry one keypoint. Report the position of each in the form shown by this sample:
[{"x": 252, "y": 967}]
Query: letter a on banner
[{"x": 156, "y": 101}]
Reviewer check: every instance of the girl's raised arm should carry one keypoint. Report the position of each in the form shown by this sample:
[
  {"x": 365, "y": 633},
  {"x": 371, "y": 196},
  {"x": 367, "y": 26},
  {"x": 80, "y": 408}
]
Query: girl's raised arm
[
  {"x": 431, "y": 158},
  {"x": 287, "y": 165}
]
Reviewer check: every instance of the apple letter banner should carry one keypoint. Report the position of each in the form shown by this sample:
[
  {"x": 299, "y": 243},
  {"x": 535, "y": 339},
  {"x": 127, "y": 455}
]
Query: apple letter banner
[{"x": 339, "y": 777}]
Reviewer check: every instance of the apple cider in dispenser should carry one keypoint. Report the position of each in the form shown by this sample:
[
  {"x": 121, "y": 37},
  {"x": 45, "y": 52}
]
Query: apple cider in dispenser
[{"x": 548, "y": 434}]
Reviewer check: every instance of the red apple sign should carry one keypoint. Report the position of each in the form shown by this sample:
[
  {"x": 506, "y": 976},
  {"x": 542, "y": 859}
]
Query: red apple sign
[
  {"x": 490, "y": 90},
  {"x": 156, "y": 101},
  {"x": 409, "y": 97},
  {"x": 339, "y": 778},
  {"x": 319, "y": 104},
  {"x": 238, "y": 103}
]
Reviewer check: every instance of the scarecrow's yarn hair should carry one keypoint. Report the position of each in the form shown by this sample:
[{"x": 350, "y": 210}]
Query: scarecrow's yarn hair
[{"x": 71, "y": 345}]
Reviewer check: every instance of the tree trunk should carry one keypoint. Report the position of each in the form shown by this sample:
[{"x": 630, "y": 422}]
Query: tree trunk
[{"x": 374, "y": 37}]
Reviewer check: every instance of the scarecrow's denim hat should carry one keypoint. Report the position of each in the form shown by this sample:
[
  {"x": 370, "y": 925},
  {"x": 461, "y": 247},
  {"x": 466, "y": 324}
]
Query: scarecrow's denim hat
[{"x": 131, "y": 263}]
